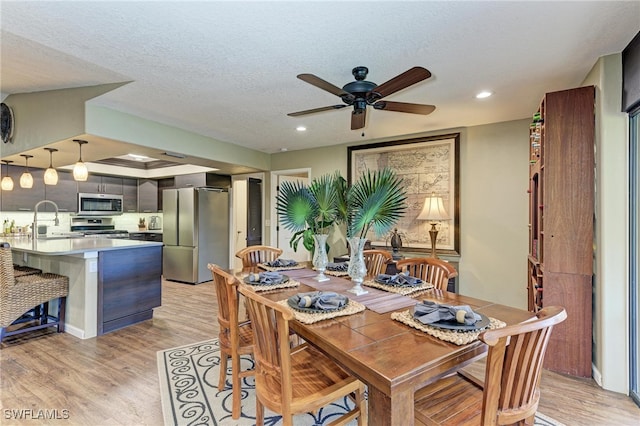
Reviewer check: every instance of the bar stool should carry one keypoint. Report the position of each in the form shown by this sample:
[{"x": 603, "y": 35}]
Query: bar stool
[{"x": 25, "y": 299}]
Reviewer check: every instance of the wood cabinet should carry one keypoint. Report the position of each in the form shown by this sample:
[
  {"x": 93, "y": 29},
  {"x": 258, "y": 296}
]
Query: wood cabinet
[
  {"x": 64, "y": 193},
  {"x": 561, "y": 211},
  {"x": 23, "y": 199},
  {"x": 98, "y": 184},
  {"x": 130, "y": 195},
  {"x": 147, "y": 196}
]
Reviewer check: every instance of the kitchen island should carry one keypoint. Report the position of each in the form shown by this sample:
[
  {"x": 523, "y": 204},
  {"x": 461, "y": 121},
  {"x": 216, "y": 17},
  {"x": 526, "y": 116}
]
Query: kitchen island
[{"x": 113, "y": 283}]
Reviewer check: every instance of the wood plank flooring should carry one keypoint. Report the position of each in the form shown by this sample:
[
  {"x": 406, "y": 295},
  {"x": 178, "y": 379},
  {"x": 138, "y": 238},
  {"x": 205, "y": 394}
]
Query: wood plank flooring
[{"x": 113, "y": 379}]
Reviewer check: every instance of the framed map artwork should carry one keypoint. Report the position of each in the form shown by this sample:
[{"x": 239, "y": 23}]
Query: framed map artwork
[{"x": 428, "y": 165}]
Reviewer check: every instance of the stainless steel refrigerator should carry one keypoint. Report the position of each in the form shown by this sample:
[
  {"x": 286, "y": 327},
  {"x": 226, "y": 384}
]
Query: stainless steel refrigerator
[{"x": 196, "y": 232}]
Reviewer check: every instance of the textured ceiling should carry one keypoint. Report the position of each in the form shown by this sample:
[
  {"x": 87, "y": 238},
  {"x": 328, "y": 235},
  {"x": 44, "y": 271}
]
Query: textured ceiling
[{"x": 228, "y": 69}]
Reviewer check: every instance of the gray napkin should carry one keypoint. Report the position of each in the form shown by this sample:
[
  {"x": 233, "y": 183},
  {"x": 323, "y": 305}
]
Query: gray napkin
[
  {"x": 265, "y": 278},
  {"x": 338, "y": 266},
  {"x": 324, "y": 300},
  {"x": 429, "y": 312},
  {"x": 279, "y": 263},
  {"x": 401, "y": 280}
]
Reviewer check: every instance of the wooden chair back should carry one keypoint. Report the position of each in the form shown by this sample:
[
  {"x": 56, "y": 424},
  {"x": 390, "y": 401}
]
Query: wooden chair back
[
  {"x": 429, "y": 269},
  {"x": 235, "y": 337},
  {"x": 253, "y": 255},
  {"x": 514, "y": 366},
  {"x": 294, "y": 380},
  {"x": 376, "y": 261}
]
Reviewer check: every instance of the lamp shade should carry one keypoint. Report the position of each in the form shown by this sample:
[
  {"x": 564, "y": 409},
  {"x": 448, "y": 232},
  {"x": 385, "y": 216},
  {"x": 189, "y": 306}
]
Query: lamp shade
[
  {"x": 26, "y": 180},
  {"x": 51, "y": 176},
  {"x": 80, "y": 172},
  {"x": 433, "y": 209},
  {"x": 7, "y": 183}
]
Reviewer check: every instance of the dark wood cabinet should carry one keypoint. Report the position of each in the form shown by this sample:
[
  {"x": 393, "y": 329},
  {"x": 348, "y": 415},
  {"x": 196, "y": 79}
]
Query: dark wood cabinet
[
  {"x": 23, "y": 199},
  {"x": 98, "y": 184},
  {"x": 130, "y": 195},
  {"x": 64, "y": 193},
  {"x": 147, "y": 196},
  {"x": 561, "y": 210},
  {"x": 146, "y": 236},
  {"x": 191, "y": 181}
]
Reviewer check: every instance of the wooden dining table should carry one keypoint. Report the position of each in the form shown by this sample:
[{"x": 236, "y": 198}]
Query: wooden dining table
[{"x": 391, "y": 358}]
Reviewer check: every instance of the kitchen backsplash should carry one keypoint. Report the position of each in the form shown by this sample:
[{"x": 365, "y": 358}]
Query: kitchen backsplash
[{"x": 125, "y": 222}]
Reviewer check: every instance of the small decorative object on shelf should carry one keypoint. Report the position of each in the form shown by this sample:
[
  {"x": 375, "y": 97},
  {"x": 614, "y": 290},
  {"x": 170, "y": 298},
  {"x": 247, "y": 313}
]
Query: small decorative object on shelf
[
  {"x": 396, "y": 244},
  {"x": 142, "y": 224}
]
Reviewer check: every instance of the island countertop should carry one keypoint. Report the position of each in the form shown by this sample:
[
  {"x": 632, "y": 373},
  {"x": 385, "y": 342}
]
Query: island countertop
[{"x": 66, "y": 246}]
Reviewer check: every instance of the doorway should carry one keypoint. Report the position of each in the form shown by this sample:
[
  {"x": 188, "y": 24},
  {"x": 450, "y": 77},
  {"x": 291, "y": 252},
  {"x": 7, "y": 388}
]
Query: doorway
[
  {"x": 247, "y": 222},
  {"x": 281, "y": 237}
]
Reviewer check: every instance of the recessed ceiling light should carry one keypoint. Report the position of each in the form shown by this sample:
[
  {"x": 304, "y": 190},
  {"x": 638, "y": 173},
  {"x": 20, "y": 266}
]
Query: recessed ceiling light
[
  {"x": 484, "y": 94},
  {"x": 138, "y": 157},
  {"x": 301, "y": 128},
  {"x": 284, "y": 149}
]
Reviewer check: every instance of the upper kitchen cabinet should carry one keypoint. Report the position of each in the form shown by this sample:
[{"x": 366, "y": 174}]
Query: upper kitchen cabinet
[
  {"x": 96, "y": 184},
  {"x": 64, "y": 193},
  {"x": 147, "y": 196},
  {"x": 23, "y": 199},
  {"x": 194, "y": 180},
  {"x": 129, "y": 195}
]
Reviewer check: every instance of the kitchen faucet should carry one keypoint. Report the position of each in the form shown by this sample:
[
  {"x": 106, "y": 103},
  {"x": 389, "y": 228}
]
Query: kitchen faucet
[{"x": 34, "y": 227}]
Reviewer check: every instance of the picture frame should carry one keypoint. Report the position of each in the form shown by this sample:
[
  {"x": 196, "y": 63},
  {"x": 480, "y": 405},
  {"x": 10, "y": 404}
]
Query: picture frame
[{"x": 427, "y": 165}]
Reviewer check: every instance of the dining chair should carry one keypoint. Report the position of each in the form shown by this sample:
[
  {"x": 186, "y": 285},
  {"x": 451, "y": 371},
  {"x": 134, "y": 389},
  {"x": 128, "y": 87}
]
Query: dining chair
[
  {"x": 236, "y": 338},
  {"x": 376, "y": 261},
  {"x": 25, "y": 294},
  {"x": 295, "y": 380},
  {"x": 252, "y": 255},
  {"x": 510, "y": 392},
  {"x": 429, "y": 269}
]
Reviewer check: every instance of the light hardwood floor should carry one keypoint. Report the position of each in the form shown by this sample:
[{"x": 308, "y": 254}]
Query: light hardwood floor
[{"x": 113, "y": 380}]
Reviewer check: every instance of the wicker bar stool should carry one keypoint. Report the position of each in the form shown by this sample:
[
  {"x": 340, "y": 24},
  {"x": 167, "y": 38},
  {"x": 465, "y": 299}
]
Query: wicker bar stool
[{"x": 20, "y": 295}]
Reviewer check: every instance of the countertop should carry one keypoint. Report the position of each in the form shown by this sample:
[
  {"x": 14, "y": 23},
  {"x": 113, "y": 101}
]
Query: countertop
[{"x": 64, "y": 246}]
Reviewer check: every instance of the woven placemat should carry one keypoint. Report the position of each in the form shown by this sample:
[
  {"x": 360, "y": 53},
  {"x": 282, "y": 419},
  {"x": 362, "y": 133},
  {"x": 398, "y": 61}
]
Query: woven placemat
[
  {"x": 280, "y": 268},
  {"x": 334, "y": 273},
  {"x": 309, "y": 318},
  {"x": 452, "y": 336},
  {"x": 398, "y": 289},
  {"x": 264, "y": 287}
]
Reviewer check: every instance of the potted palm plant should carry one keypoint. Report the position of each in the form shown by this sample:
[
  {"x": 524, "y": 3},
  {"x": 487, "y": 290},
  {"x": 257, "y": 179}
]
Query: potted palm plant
[
  {"x": 375, "y": 202},
  {"x": 310, "y": 212}
]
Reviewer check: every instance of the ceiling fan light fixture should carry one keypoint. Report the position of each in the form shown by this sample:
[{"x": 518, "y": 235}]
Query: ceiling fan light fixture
[
  {"x": 7, "y": 181},
  {"x": 80, "y": 171},
  {"x": 51, "y": 175},
  {"x": 26, "y": 179}
]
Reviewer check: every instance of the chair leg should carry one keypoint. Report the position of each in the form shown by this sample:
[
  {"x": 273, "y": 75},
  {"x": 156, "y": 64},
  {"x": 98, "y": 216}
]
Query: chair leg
[
  {"x": 235, "y": 385},
  {"x": 259, "y": 413},
  {"x": 223, "y": 370},
  {"x": 62, "y": 309}
]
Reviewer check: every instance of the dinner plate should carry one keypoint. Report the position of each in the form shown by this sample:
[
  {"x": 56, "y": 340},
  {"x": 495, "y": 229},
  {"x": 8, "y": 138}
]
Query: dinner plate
[
  {"x": 293, "y": 305},
  {"x": 482, "y": 323},
  {"x": 420, "y": 282},
  {"x": 285, "y": 279}
]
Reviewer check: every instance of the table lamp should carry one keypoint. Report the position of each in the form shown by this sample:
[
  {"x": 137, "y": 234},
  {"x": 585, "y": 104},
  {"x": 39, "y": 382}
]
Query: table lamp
[{"x": 433, "y": 211}]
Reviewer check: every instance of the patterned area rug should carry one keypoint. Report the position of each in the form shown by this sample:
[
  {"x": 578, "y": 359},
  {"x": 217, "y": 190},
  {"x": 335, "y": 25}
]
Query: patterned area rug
[{"x": 189, "y": 390}]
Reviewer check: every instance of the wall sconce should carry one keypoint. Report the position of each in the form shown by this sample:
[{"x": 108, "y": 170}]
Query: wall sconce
[
  {"x": 26, "y": 180},
  {"x": 7, "y": 182},
  {"x": 80, "y": 172},
  {"x": 433, "y": 211},
  {"x": 51, "y": 175}
]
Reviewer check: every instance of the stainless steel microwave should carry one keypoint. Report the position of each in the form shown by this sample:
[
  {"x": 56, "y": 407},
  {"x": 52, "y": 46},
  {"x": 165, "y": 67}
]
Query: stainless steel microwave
[{"x": 99, "y": 204}]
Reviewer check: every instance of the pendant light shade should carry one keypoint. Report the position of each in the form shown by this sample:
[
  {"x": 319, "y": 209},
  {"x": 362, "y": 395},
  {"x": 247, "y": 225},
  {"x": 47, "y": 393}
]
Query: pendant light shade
[
  {"x": 80, "y": 172},
  {"x": 26, "y": 180},
  {"x": 51, "y": 175},
  {"x": 7, "y": 182}
]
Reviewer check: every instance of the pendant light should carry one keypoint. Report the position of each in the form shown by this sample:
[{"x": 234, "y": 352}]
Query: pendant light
[
  {"x": 80, "y": 172},
  {"x": 51, "y": 175},
  {"x": 26, "y": 180},
  {"x": 7, "y": 182}
]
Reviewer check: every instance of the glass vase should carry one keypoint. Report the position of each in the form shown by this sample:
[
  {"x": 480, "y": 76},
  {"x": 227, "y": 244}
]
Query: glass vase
[
  {"x": 320, "y": 258},
  {"x": 357, "y": 268}
]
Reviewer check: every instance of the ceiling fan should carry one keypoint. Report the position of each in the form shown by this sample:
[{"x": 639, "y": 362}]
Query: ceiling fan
[{"x": 360, "y": 93}]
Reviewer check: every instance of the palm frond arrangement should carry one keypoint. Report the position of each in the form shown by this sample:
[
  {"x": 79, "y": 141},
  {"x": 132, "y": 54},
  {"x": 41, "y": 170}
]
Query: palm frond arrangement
[{"x": 376, "y": 201}]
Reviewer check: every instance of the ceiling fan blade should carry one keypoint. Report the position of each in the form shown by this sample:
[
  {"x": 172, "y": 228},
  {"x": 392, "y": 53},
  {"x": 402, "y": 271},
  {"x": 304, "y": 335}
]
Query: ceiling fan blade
[
  {"x": 404, "y": 107},
  {"x": 406, "y": 79},
  {"x": 314, "y": 110},
  {"x": 324, "y": 85},
  {"x": 358, "y": 119}
]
